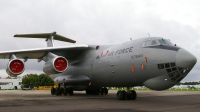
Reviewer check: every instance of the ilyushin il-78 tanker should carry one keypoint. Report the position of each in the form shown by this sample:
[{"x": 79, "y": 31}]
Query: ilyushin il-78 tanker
[{"x": 153, "y": 62}]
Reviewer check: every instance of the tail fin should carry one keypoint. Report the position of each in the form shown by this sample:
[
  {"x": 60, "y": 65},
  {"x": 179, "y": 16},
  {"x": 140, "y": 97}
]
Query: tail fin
[{"x": 49, "y": 37}]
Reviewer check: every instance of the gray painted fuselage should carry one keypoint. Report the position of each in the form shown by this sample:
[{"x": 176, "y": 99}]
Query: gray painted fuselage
[{"x": 127, "y": 65}]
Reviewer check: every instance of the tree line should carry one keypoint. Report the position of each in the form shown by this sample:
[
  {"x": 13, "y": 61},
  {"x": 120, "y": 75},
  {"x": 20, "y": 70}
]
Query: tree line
[{"x": 37, "y": 80}]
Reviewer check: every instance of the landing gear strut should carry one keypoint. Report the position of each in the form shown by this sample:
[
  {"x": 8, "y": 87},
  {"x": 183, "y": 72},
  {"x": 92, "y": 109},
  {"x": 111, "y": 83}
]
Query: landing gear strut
[{"x": 129, "y": 95}]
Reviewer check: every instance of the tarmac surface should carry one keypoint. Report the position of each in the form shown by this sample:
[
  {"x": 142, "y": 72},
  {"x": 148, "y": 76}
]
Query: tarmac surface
[{"x": 147, "y": 101}]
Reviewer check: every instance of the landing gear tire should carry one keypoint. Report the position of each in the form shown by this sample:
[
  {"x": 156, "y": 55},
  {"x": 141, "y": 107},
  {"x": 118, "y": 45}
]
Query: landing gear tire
[
  {"x": 53, "y": 90},
  {"x": 65, "y": 91},
  {"x": 61, "y": 90},
  {"x": 58, "y": 91},
  {"x": 129, "y": 96},
  {"x": 102, "y": 91},
  {"x": 68, "y": 91},
  {"x": 106, "y": 91},
  {"x": 123, "y": 95},
  {"x": 120, "y": 95},
  {"x": 134, "y": 95}
]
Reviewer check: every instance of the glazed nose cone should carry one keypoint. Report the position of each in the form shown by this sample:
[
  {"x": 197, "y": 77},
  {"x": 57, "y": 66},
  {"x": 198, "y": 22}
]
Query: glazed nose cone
[{"x": 185, "y": 59}]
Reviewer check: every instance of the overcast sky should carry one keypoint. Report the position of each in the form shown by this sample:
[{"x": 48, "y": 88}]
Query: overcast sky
[{"x": 99, "y": 22}]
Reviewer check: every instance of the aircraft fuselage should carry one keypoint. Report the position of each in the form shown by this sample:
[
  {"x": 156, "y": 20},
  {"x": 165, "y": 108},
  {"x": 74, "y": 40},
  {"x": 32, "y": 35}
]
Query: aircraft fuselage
[{"x": 142, "y": 62}]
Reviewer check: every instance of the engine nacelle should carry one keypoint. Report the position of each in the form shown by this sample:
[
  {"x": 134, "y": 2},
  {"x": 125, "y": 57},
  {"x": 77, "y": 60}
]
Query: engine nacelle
[
  {"x": 56, "y": 65},
  {"x": 15, "y": 67}
]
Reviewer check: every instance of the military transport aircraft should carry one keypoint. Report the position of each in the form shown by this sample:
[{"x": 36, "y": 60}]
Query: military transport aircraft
[{"x": 153, "y": 62}]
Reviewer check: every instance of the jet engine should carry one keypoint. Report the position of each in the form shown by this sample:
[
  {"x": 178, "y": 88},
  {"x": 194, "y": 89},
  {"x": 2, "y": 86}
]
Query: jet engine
[
  {"x": 15, "y": 67},
  {"x": 56, "y": 65}
]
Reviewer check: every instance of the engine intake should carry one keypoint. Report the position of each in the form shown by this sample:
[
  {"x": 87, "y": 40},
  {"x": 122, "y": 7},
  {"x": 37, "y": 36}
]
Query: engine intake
[
  {"x": 15, "y": 67},
  {"x": 55, "y": 65}
]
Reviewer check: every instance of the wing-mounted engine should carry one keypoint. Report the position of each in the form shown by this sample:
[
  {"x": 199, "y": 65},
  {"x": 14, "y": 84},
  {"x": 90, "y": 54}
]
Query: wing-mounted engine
[
  {"x": 15, "y": 66},
  {"x": 54, "y": 64}
]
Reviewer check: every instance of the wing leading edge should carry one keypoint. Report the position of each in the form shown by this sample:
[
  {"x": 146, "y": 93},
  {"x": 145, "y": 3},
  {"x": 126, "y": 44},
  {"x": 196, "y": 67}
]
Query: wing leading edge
[{"x": 68, "y": 51}]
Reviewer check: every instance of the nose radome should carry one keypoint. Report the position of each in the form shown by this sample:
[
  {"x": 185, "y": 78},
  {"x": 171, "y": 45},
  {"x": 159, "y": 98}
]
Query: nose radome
[{"x": 185, "y": 59}]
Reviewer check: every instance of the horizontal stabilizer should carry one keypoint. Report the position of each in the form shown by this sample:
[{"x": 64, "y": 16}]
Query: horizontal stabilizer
[{"x": 46, "y": 36}]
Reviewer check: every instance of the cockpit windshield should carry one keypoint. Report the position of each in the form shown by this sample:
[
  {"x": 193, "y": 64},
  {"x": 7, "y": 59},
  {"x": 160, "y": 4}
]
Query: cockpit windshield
[
  {"x": 156, "y": 42},
  {"x": 153, "y": 42},
  {"x": 164, "y": 42}
]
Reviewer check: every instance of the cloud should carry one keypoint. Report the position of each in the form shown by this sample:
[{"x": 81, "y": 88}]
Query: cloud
[{"x": 100, "y": 22}]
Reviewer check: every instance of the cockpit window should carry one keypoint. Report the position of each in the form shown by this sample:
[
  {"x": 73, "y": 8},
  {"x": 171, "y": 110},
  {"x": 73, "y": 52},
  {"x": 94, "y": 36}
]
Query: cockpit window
[
  {"x": 164, "y": 42},
  {"x": 143, "y": 44},
  {"x": 148, "y": 43},
  {"x": 156, "y": 42},
  {"x": 168, "y": 41},
  {"x": 153, "y": 42}
]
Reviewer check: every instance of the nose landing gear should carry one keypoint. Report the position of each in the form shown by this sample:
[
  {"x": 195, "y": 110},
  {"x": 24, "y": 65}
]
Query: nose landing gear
[{"x": 129, "y": 95}]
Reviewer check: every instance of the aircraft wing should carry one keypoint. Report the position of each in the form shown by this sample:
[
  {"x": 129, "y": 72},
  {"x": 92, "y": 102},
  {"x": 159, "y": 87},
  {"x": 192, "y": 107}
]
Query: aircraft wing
[{"x": 66, "y": 51}]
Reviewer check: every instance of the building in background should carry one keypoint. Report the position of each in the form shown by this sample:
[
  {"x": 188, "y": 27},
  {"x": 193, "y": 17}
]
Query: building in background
[{"x": 10, "y": 83}]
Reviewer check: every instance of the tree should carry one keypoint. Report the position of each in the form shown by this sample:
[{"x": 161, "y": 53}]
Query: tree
[
  {"x": 29, "y": 79},
  {"x": 37, "y": 80},
  {"x": 44, "y": 80}
]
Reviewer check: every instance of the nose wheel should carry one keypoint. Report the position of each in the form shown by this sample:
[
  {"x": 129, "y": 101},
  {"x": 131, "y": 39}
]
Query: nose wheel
[{"x": 129, "y": 95}]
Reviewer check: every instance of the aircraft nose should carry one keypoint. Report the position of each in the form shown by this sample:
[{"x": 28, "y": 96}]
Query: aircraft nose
[{"x": 185, "y": 59}]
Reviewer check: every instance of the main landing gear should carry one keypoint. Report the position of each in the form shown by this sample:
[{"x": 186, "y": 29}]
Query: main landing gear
[
  {"x": 129, "y": 95},
  {"x": 62, "y": 90}
]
